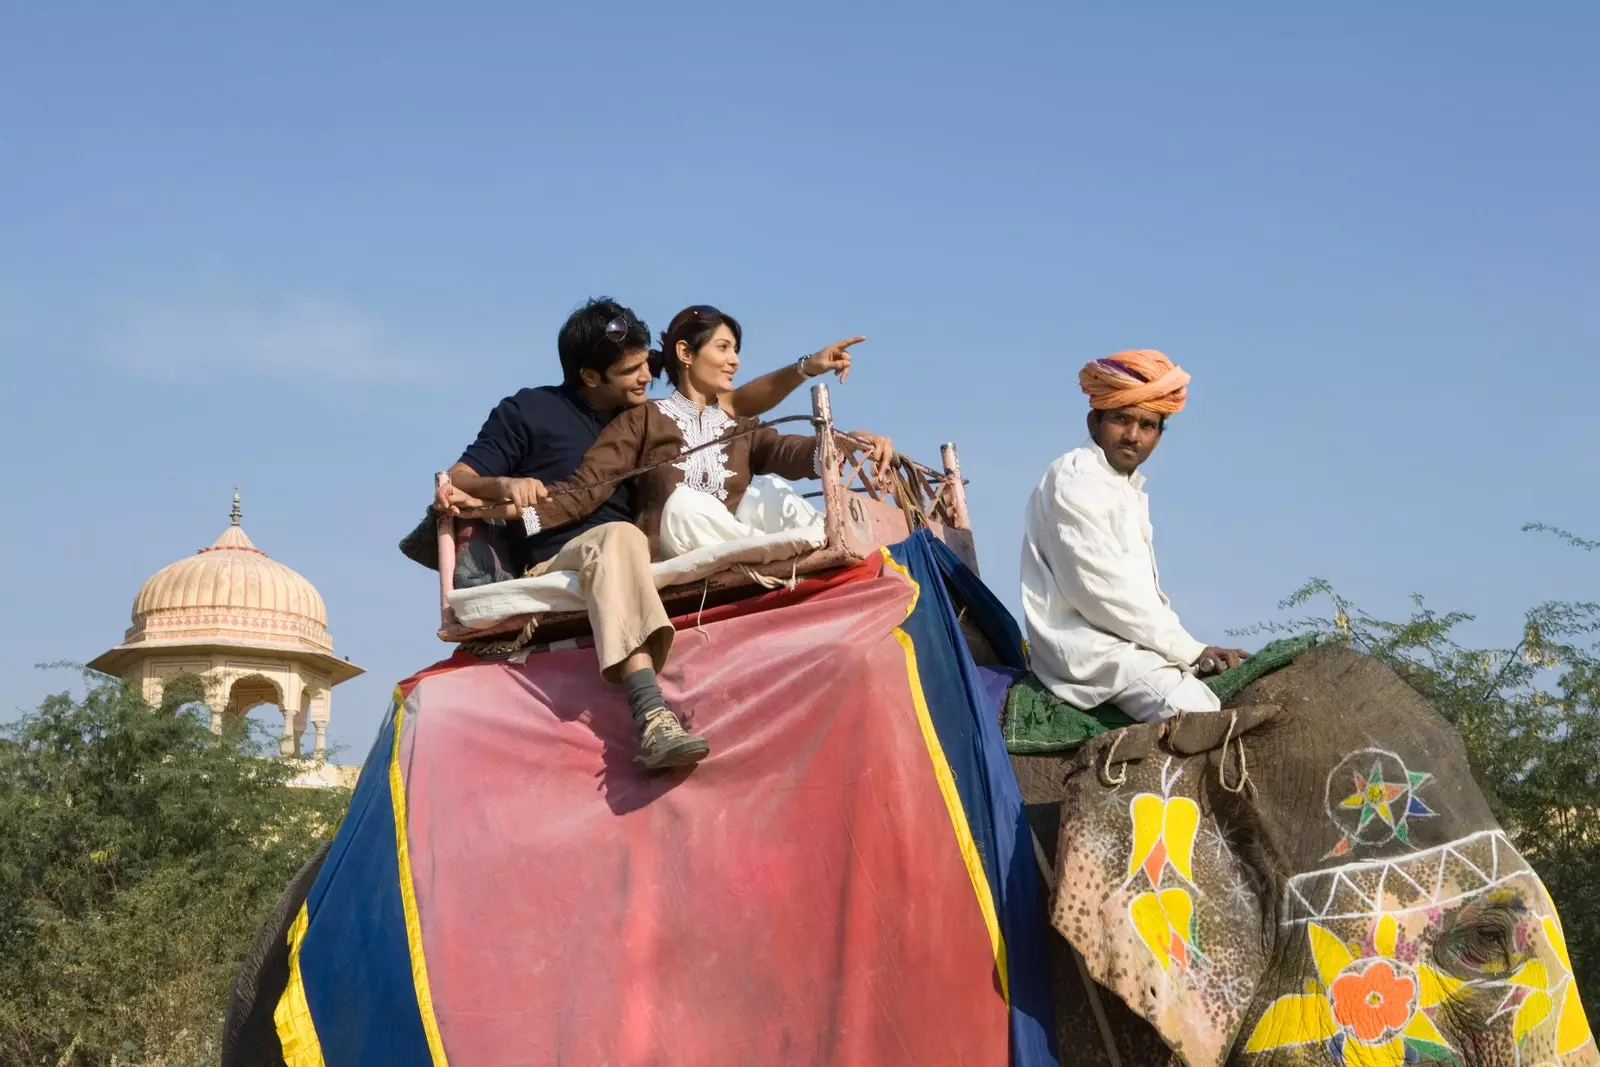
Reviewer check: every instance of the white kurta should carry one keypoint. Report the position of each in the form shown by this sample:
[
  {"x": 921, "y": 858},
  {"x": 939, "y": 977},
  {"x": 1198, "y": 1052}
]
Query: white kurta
[{"x": 1091, "y": 595}]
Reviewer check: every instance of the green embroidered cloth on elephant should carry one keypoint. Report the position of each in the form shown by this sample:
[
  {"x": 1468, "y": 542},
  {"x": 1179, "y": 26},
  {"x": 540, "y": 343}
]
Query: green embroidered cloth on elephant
[{"x": 1036, "y": 720}]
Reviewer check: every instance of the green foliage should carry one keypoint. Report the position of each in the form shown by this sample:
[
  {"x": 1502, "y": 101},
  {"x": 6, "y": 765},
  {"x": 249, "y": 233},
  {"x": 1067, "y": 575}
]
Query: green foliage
[
  {"x": 142, "y": 853},
  {"x": 1530, "y": 717},
  {"x": 1571, "y": 539}
]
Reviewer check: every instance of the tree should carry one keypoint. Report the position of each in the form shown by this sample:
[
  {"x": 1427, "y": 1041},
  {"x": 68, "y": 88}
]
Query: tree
[
  {"x": 1530, "y": 717},
  {"x": 142, "y": 853}
]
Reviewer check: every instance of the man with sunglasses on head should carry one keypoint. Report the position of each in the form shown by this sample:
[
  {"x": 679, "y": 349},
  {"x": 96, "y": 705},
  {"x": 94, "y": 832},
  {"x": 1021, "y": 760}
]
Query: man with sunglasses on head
[{"x": 540, "y": 435}]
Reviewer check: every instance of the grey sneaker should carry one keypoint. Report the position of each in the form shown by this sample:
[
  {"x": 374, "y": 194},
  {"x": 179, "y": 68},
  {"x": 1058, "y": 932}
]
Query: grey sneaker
[{"x": 663, "y": 742}]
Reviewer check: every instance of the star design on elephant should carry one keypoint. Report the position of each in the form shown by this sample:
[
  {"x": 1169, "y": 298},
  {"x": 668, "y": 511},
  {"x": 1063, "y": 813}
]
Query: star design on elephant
[
  {"x": 1374, "y": 797},
  {"x": 1225, "y": 840},
  {"x": 1382, "y": 801},
  {"x": 1242, "y": 893}
]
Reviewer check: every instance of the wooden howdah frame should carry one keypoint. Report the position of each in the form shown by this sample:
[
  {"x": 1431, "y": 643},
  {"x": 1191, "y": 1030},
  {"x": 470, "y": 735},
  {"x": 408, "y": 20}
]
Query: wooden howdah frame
[{"x": 865, "y": 509}]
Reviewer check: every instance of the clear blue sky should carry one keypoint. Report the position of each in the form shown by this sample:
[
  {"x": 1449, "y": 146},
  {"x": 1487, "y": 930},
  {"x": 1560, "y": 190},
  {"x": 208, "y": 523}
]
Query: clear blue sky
[{"x": 303, "y": 251}]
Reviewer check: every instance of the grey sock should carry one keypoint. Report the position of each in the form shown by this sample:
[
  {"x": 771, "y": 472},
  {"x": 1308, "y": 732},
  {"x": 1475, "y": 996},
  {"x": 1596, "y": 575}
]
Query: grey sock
[{"x": 644, "y": 694}]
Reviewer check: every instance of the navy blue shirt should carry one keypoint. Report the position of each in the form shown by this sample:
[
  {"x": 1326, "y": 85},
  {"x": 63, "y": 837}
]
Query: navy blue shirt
[{"x": 543, "y": 433}]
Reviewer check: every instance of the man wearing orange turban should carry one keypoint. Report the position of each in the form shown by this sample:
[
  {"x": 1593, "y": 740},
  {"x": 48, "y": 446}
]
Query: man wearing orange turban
[{"x": 1100, "y": 627}]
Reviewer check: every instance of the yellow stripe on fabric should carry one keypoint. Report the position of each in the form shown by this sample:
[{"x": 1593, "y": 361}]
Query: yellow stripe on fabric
[
  {"x": 947, "y": 789},
  {"x": 916, "y": 590},
  {"x": 292, "y": 1017},
  {"x": 958, "y": 814},
  {"x": 408, "y": 893}
]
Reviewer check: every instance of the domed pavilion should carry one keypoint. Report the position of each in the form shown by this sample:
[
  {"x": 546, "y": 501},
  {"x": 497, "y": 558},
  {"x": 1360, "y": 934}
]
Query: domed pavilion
[{"x": 254, "y": 628}]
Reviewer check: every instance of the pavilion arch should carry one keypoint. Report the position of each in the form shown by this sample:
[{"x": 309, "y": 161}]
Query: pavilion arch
[{"x": 251, "y": 691}]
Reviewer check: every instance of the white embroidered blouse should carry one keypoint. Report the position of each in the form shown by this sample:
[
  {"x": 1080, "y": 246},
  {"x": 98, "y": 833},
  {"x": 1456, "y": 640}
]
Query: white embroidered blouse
[
  {"x": 707, "y": 469},
  {"x": 660, "y": 435}
]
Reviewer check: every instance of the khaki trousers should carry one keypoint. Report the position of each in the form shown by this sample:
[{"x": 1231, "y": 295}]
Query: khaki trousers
[{"x": 625, "y": 612}]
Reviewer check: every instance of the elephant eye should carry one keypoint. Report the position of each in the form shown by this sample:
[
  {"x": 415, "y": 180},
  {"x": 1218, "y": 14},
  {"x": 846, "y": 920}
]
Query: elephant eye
[{"x": 1482, "y": 939}]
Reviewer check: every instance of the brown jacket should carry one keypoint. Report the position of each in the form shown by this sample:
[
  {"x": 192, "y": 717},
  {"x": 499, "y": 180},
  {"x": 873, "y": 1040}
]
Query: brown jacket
[{"x": 658, "y": 432}]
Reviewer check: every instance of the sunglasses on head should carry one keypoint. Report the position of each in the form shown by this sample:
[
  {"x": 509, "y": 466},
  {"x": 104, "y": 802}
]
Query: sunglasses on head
[
  {"x": 617, "y": 329},
  {"x": 697, "y": 313}
]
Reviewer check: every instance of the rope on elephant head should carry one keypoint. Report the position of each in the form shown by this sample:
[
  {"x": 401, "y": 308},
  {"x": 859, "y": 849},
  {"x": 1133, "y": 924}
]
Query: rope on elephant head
[
  {"x": 1222, "y": 764},
  {"x": 1105, "y": 768},
  {"x": 1239, "y": 785}
]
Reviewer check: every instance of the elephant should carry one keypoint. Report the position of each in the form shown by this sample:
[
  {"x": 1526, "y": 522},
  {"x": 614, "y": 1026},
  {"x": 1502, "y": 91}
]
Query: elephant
[
  {"x": 1310, "y": 876},
  {"x": 249, "y": 1035}
]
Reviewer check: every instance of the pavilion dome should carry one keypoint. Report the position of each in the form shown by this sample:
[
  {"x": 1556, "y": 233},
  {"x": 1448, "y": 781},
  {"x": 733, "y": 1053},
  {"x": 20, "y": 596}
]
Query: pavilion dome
[{"x": 231, "y": 590}]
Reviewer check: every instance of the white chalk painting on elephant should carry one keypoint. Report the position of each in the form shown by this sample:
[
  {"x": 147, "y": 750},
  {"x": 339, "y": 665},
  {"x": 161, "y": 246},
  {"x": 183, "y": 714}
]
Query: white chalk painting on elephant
[
  {"x": 1161, "y": 904},
  {"x": 1374, "y": 931},
  {"x": 1372, "y": 797}
]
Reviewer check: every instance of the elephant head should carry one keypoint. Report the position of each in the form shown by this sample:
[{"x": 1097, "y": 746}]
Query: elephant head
[{"x": 1312, "y": 876}]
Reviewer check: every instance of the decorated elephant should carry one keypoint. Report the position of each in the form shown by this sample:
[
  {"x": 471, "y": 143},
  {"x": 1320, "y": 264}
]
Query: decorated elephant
[
  {"x": 1309, "y": 877},
  {"x": 249, "y": 1035}
]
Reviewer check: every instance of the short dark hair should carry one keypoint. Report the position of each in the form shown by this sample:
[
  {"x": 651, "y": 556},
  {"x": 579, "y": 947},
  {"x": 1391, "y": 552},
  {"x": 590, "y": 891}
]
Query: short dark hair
[
  {"x": 694, "y": 326},
  {"x": 583, "y": 344}
]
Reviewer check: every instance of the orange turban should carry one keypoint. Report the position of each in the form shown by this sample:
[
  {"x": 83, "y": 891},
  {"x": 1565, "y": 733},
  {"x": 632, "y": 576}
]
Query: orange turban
[{"x": 1138, "y": 378}]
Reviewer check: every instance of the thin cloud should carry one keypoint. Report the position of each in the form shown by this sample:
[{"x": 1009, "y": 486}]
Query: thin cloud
[{"x": 304, "y": 339}]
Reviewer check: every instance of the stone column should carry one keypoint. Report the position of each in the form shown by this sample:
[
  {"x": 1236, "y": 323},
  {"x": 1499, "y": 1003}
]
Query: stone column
[
  {"x": 319, "y": 702},
  {"x": 290, "y": 745}
]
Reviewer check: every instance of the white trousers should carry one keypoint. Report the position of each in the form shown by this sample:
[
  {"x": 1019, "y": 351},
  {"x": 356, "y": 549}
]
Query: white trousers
[
  {"x": 693, "y": 519},
  {"x": 1163, "y": 693}
]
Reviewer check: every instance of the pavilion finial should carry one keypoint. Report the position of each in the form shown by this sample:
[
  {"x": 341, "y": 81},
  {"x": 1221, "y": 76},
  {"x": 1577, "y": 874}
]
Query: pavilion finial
[{"x": 235, "y": 514}]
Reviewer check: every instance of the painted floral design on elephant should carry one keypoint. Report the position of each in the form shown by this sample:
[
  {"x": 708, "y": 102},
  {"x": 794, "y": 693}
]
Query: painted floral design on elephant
[
  {"x": 1372, "y": 797},
  {"x": 1370, "y": 1005},
  {"x": 1378, "y": 933},
  {"x": 1164, "y": 828},
  {"x": 1539, "y": 994}
]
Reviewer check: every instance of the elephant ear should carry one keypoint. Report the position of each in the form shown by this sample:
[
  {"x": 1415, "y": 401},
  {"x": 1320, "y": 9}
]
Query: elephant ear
[{"x": 1158, "y": 879}]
